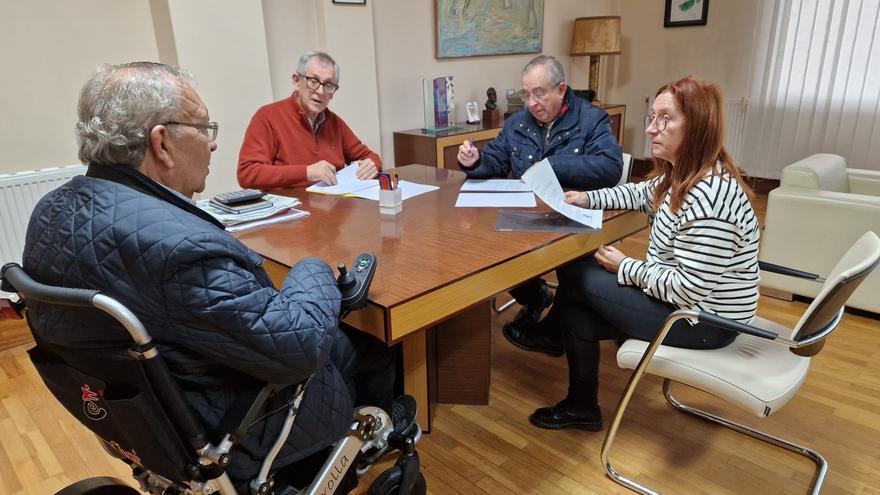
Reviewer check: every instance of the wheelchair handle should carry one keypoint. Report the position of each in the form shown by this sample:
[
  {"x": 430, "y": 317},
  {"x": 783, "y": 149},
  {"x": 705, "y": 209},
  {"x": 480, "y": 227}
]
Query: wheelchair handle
[{"x": 16, "y": 280}]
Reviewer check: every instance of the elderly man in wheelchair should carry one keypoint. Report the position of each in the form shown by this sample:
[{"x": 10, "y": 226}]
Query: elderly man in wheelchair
[{"x": 164, "y": 335}]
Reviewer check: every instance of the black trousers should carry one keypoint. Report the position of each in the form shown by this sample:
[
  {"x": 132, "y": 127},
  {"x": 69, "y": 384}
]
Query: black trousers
[
  {"x": 529, "y": 293},
  {"x": 367, "y": 365},
  {"x": 590, "y": 306}
]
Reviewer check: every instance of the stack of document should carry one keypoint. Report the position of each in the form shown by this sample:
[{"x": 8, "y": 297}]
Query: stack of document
[
  {"x": 497, "y": 193},
  {"x": 283, "y": 208},
  {"x": 347, "y": 184}
]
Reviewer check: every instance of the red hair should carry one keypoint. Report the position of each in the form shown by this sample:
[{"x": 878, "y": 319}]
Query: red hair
[{"x": 702, "y": 105}]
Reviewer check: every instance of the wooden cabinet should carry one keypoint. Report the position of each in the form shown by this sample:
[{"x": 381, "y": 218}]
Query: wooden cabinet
[
  {"x": 439, "y": 149},
  {"x": 618, "y": 116}
]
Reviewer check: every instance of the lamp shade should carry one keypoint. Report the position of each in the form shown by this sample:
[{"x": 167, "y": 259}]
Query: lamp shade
[{"x": 596, "y": 36}]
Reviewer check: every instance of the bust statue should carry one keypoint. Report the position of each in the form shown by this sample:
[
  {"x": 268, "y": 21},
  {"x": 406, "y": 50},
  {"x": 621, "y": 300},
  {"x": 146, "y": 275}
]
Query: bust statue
[{"x": 492, "y": 97}]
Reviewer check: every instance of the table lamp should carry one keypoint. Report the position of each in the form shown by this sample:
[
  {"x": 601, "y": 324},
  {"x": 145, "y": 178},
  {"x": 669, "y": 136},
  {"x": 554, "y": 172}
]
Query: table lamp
[{"x": 595, "y": 36}]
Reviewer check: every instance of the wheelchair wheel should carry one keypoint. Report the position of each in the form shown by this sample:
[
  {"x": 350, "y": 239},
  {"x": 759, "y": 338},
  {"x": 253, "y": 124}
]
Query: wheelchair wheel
[
  {"x": 388, "y": 483},
  {"x": 99, "y": 485}
]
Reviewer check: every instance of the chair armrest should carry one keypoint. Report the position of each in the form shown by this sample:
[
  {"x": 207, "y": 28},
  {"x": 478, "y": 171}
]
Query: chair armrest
[
  {"x": 863, "y": 181},
  {"x": 734, "y": 326},
  {"x": 791, "y": 272}
]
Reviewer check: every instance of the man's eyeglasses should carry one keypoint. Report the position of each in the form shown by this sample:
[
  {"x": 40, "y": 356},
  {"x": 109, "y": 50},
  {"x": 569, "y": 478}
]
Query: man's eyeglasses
[
  {"x": 659, "y": 121},
  {"x": 312, "y": 83},
  {"x": 213, "y": 127},
  {"x": 538, "y": 94}
]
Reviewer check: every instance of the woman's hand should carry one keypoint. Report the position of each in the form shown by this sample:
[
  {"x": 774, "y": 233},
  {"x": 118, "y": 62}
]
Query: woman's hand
[
  {"x": 609, "y": 257},
  {"x": 578, "y": 198}
]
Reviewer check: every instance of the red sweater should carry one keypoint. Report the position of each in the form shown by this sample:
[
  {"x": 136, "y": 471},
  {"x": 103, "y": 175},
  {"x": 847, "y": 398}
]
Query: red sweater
[{"x": 279, "y": 144}]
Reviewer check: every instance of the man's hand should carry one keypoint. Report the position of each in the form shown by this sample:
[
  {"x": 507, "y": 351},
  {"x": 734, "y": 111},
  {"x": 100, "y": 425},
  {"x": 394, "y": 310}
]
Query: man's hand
[
  {"x": 578, "y": 198},
  {"x": 468, "y": 154},
  {"x": 322, "y": 171},
  {"x": 609, "y": 257},
  {"x": 367, "y": 169}
]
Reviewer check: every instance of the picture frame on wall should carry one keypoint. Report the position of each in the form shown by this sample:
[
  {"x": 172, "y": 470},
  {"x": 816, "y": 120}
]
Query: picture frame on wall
[
  {"x": 461, "y": 28},
  {"x": 350, "y": 2},
  {"x": 686, "y": 13}
]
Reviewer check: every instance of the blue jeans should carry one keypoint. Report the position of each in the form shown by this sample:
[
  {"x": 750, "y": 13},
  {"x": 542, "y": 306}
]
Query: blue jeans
[{"x": 590, "y": 306}]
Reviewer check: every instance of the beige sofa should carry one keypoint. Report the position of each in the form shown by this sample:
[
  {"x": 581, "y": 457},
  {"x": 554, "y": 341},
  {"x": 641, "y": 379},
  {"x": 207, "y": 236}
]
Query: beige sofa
[{"x": 820, "y": 208}]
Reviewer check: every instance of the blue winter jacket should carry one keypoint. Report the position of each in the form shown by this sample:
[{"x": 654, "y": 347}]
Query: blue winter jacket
[
  {"x": 581, "y": 149},
  {"x": 205, "y": 299}
]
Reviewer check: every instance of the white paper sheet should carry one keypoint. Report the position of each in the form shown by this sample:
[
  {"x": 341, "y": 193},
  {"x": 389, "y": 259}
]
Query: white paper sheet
[
  {"x": 346, "y": 182},
  {"x": 545, "y": 184},
  {"x": 495, "y": 185},
  {"x": 496, "y": 200},
  {"x": 290, "y": 215},
  {"x": 407, "y": 189}
]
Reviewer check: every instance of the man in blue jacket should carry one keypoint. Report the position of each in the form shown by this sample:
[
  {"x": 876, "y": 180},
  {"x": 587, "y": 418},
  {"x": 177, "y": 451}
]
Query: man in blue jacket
[
  {"x": 575, "y": 136},
  {"x": 130, "y": 229}
]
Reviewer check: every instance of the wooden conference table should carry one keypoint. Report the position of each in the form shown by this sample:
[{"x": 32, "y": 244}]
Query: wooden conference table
[{"x": 437, "y": 267}]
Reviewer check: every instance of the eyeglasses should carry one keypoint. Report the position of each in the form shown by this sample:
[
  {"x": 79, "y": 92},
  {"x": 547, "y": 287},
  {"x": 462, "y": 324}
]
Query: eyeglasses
[
  {"x": 312, "y": 83},
  {"x": 210, "y": 126},
  {"x": 659, "y": 121},
  {"x": 538, "y": 94}
]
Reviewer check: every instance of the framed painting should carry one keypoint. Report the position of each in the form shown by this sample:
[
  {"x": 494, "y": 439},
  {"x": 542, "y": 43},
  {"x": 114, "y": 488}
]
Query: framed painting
[
  {"x": 686, "y": 13},
  {"x": 471, "y": 28}
]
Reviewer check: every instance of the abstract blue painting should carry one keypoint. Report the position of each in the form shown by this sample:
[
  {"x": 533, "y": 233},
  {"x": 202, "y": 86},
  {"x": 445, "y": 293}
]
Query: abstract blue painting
[{"x": 470, "y": 28}]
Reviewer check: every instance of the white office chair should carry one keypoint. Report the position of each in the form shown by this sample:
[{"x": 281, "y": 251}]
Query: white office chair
[
  {"x": 761, "y": 370},
  {"x": 624, "y": 178}
]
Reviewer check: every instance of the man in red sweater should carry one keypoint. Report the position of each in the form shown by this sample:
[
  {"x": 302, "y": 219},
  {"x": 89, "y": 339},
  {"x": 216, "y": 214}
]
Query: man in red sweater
[{"x": 297, "y": 141}]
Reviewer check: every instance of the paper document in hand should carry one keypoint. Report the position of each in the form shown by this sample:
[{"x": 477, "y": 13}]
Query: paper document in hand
[
  {"x": 495, "y": 185},
  {"x": 346, "y": 182},
  {"x": 496, "y": 200},
  {"x": 407, "y": 190},
  {"x": 544, "y": 183}
]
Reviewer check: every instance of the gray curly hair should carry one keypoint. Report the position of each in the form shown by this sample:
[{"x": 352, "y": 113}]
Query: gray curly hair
[{"x": 120, "y": 105}]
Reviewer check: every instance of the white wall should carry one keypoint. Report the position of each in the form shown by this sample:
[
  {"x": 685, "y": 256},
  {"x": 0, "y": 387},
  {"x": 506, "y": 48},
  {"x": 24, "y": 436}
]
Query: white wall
[
  {"x": 222, "y": 42},
  {"x": 404, "y": 31},
  {"x": 652, "y": 55},
  {"x": 49, "y": 50}
]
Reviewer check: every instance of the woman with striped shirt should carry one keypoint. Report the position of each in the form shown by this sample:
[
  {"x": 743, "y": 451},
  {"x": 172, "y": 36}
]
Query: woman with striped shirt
[{"x": 702, "y": 254}]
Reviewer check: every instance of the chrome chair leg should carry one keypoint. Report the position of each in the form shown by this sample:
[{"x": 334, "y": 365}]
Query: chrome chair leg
[
  {"x": 503, "y": 307},
  {"x": 821, "y": 463}
]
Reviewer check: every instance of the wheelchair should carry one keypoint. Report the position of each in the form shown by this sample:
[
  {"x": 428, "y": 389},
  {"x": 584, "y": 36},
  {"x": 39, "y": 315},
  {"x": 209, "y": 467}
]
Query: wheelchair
[{"x": 128, "y": 398}]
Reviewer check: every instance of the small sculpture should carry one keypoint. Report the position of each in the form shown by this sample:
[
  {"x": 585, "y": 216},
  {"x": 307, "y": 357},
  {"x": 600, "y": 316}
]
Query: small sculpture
[{"x": 491, "y": 102}]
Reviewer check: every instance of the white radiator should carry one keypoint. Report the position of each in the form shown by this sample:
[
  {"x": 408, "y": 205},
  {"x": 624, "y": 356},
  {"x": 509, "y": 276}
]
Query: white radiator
[
  {"x": 19, "y": 193},
  {"x": 735, "y": 111}
]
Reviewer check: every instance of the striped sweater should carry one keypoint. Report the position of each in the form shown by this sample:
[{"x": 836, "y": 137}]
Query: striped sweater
[{"x": 704, "y": 257}]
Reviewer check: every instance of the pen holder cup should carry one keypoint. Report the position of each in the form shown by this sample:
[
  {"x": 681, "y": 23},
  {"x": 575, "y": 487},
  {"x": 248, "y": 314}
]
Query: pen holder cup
[{"x": 390, "y": 202}]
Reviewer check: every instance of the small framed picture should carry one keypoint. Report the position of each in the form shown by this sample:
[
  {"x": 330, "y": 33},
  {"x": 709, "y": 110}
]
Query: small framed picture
[
  {"x": 473, "y": 112},
  {"x": 689, "y": 13},
  {"x": 351, "y": 2}
]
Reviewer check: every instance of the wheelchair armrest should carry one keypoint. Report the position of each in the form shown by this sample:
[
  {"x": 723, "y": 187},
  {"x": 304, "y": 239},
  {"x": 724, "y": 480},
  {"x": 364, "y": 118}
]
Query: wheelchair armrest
[
  {"x": 734, "y": 326},
  {"x": 791, "y": 272}
]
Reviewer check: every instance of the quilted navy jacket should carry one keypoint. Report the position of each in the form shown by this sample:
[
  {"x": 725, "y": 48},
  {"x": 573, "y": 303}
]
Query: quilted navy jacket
[
  {"x": 203, "y": 296},
  {"x": 581, "y": 149}
]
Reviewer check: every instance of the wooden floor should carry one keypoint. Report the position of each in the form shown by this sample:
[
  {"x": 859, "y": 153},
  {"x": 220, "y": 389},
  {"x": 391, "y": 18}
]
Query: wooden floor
[{"x": 494, "y": 450}]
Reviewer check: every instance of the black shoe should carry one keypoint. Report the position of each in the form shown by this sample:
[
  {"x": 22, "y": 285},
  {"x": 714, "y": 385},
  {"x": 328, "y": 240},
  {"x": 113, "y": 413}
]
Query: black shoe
[
  {"x": 530, "y": 314},
  {"x": 561, "y": 417},
  {"x": 531, "y": 338},
  {"x": 403, "y": 413},
  {"x": 403, "y": 416}
]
